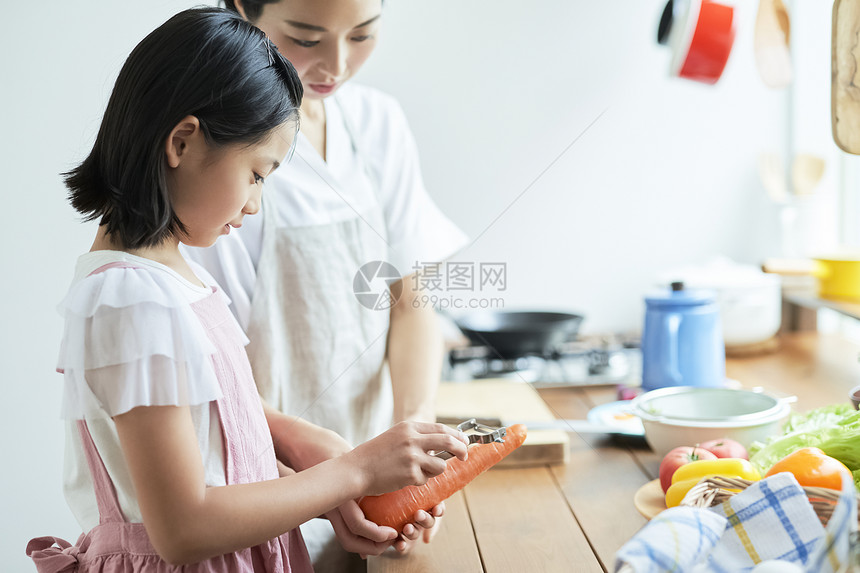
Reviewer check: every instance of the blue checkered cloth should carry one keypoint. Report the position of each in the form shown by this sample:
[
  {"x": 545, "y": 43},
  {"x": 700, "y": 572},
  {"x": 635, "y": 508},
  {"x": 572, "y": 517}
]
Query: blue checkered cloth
[
  {"x": 675, "y": 540},
  {"x": 771, "y": 519},
  {"x": 835, "y": 548}
]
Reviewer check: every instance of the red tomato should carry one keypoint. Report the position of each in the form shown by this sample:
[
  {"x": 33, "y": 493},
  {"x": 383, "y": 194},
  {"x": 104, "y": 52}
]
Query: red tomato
[
  {"x": 677, "y": 458},
  {"x": 726, "y": 448}
]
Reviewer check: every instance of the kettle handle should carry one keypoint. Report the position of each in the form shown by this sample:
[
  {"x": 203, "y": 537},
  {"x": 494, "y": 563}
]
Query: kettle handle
[{"x": 672, "y": 324}]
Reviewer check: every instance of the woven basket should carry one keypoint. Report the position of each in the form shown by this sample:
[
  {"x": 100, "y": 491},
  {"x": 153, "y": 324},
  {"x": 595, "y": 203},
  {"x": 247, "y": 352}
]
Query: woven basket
[{"x": 715, "y": 490}]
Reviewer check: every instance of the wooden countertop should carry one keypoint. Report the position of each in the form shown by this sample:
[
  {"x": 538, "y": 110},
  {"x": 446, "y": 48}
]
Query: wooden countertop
[{"x": 574, "y": 517}]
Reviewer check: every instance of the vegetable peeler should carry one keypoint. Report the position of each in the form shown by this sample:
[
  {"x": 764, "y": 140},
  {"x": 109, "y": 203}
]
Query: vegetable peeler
[{"x": 477, "y": 434}]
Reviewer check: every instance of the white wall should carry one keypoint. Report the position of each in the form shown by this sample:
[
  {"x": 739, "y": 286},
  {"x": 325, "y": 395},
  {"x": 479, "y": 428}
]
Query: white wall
[
  {"x": 494, "y": 89},
  {"x": 823, "y": 221}
]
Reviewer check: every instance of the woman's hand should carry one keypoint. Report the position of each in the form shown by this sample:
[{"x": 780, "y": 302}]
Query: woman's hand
[
  {"x": 425, "y": 526},
  {"x": 358, "y": 535},
  {"x": 401, "y": 456}
]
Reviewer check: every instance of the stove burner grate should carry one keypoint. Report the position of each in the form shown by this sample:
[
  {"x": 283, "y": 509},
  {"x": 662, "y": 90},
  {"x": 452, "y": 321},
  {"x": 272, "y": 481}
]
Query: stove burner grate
[{"x": 596, "y": 360}]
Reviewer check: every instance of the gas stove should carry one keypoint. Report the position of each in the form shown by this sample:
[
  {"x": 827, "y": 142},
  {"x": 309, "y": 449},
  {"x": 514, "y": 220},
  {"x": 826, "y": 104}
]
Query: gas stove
[{"x": 587, "y": 361}]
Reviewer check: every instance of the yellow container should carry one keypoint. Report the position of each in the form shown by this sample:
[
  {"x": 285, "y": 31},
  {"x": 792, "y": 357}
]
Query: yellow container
[{"x": 838, "y": 277}]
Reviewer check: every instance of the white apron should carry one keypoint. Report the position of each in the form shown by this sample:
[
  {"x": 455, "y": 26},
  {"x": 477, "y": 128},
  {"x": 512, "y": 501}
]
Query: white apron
[{"x": 316, "y": 351}]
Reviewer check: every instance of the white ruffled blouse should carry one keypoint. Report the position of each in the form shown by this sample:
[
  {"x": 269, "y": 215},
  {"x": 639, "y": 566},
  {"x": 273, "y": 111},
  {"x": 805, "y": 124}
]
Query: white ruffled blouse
[{"x": 132, "y": 339}]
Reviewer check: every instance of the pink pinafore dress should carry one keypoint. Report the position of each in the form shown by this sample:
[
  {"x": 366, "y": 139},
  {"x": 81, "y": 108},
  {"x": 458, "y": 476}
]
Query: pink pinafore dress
[{"x": 115, "y": 545}]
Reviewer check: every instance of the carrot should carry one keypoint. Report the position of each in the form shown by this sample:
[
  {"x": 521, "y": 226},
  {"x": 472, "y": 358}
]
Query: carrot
[{"x": 395, "y": 509}]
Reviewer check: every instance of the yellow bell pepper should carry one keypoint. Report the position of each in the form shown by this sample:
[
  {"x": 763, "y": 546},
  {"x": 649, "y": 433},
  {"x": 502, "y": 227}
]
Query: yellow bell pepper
[
  {"x": 678, "y": 490},
  {"x": 728, "y": 467},
  {"x": 688, "y": 475}
]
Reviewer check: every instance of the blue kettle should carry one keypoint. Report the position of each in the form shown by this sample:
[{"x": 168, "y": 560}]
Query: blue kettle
[{"x": 682, "y": 343}]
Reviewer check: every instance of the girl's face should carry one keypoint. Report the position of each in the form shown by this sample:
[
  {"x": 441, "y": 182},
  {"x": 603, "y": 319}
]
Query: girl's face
[
  {"x": 211, "y": 190},
  {"x": 326, "y": 40}
]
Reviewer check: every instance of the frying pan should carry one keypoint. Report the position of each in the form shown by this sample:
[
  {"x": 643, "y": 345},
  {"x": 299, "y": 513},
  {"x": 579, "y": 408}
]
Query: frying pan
[{"x": 512, "y": 334}]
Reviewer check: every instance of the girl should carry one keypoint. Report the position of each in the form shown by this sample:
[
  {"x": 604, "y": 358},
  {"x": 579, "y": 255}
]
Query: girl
[
  {"x": 169, "y": 459},
  {"x": 353, "y": 195}
]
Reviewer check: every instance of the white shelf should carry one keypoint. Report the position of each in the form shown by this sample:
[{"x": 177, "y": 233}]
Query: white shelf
[{"x": 811, "y": 300}]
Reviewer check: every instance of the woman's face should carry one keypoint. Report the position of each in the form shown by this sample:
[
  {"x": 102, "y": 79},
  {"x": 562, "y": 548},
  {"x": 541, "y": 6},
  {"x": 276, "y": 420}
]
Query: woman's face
[{"x": 326, "y": 40}]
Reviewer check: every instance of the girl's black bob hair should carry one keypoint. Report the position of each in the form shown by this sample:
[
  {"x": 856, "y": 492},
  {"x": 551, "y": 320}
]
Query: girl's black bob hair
[{"x": 206, "y": 62}]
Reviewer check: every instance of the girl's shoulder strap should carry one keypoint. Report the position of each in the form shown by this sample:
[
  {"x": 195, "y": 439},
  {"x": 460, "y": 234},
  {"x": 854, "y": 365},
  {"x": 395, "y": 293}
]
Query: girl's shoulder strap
[{"x": 114, "y": 265}]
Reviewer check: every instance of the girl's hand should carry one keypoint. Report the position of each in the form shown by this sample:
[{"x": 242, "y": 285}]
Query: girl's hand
[
  {"x": 425, "y": 526},
  {"x": 358, "y": 535},
  {"x": 400, "y": 456}
]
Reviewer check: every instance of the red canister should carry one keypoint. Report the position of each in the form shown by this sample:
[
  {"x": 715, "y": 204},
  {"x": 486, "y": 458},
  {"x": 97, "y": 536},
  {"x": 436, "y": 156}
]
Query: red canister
[{"x": 701, "y": 34}]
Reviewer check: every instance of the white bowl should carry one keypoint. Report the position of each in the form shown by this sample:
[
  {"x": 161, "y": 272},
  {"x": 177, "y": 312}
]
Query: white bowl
[{"x": 689, "y": 415}]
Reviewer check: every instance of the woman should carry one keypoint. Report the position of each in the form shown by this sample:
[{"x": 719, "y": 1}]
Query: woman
[{"x": 352, "y": 196}]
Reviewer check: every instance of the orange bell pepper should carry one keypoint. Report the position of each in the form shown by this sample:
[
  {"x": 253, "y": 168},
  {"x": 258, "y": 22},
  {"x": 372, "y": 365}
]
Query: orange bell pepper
[{"x": 812, "y": 468}]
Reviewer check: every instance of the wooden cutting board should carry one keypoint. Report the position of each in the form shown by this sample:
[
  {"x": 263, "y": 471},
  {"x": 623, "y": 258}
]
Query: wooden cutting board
[
  {"x": 845, "y": 74},
  {"x": 509, "y": 402}
]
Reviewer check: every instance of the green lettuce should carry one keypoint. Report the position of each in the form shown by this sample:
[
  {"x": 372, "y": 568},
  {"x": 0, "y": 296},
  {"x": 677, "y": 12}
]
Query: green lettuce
[{"x": 834, "y": 429}]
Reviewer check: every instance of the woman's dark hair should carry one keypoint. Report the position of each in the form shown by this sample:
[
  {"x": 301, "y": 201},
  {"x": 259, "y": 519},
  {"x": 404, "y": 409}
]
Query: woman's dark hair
[
  {"x": 252, "y": 8},
  {"x": 205, "y": 62}
]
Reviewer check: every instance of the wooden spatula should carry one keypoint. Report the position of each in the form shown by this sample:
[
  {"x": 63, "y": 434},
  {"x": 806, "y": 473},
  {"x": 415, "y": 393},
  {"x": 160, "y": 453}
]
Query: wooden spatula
[{"x": 772, "y": 41}]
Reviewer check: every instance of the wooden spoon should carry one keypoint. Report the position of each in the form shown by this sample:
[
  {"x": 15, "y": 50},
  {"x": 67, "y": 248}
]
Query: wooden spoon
[
  {"x": 772, "y": 41},
  {"x": 806, "y": 172}
]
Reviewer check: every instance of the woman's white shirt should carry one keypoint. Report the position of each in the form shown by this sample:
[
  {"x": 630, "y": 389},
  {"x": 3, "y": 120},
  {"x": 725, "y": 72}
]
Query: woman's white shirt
[
  {"x": 131, "y": 339},
  {"x": 310, "y": 191}
]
